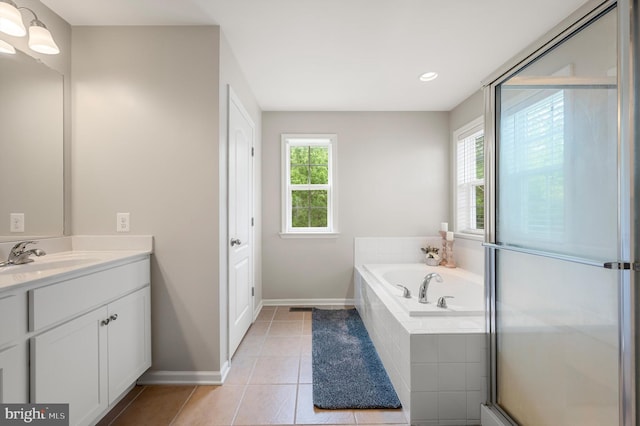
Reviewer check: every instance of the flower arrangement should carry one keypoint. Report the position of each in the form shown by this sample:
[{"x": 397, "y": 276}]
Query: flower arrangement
[{"x": 431, "y": 252}]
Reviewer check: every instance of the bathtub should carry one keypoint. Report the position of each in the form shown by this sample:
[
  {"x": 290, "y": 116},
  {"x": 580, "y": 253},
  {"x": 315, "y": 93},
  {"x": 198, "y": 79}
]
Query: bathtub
[
  {"x": 435, "y": 358},
  {"x": 465, "y": 289}
]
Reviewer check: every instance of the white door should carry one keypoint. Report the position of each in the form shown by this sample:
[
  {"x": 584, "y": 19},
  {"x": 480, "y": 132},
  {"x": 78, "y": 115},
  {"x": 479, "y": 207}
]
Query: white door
[{"x": 241, "y": 136}]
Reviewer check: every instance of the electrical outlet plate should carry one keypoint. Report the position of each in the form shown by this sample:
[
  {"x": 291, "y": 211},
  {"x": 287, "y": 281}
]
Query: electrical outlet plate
[
  {"x": 122, "y": 222},
  {"x": 16, "y": 222}
]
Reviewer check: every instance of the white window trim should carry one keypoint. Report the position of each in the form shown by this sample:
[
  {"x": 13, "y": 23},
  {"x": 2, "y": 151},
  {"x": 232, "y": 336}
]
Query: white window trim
[
  {"x": 460, "y": 133},
  {"x": 296, "y": 139}
]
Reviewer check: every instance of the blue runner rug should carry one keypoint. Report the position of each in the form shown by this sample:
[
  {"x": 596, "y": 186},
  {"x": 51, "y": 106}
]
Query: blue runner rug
[{"x": 347, "y": 372}]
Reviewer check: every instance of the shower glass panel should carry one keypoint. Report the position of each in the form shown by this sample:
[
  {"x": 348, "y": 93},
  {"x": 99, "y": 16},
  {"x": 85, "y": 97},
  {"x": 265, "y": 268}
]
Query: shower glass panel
[
  {"x": 557, "y": 341},
  {"x": 556, "y": 307},
  {"x": 557, "y": 152}
]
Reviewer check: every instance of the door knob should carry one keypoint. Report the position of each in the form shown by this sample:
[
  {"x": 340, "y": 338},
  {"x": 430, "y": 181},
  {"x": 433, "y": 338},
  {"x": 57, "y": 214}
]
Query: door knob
[{"x": 235, "y": 242}]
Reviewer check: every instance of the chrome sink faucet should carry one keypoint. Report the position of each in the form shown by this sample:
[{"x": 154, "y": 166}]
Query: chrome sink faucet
[
  {"x": 422, "y": 292},
  {"x": 19, "y": 255}
]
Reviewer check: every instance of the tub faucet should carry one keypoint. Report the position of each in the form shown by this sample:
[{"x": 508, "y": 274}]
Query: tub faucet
[
  {"x": 422, "y": 293},
  {"x": 18, "y": 255}
]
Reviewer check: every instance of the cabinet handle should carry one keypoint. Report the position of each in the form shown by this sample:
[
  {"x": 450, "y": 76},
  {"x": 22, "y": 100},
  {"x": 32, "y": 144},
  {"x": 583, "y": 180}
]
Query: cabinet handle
[
  {"x": 113, "y": 317},
  {"x": 105, "y": 321}
]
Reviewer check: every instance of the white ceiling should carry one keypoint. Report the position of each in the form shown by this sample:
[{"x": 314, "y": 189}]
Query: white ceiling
[{"x": 350, "y": 55}]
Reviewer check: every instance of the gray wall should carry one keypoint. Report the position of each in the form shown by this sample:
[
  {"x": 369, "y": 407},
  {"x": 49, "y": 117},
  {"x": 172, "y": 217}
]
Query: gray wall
[
  {"x": 467, "y": 111},
  {"x": 393, "y": 172},
  {"x": 146, "y": 141}
]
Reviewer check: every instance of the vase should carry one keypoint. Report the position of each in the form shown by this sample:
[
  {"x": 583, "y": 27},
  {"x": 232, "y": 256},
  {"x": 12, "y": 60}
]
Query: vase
[{"x": 432, "y": 262}]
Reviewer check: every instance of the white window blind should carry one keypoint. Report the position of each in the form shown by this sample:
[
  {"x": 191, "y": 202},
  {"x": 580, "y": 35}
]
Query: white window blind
[
  {"x": 532, "y": 166},
  {"x": 470, "y": 179}
]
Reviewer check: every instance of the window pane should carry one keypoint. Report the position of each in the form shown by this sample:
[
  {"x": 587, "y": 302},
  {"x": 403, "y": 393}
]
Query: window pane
[
  {"x": 299, "y": 155},
  {"x": 318, "y": 198},
  {"x": 319, "y": 155},
  {"x": 319, "y": 175},
  {"x": 299, "y": 175},
  {"x": 479, "y": 148},
  {"x": 300, "y": 199},
  {"x": 479, "y": 214},
  {"x": 319, "y": 217},
  {"x": 309, "y": 209},
  {"x": 300, "y": 217}
]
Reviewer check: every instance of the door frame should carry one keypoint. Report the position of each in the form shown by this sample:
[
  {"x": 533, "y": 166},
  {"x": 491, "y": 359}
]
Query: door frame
[{"x": 233, "y": 98}]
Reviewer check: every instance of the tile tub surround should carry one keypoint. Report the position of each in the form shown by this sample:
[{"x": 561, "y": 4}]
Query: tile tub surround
[
  {"x": 468, "y": 251},
  {"x": 436, "y": 364}
]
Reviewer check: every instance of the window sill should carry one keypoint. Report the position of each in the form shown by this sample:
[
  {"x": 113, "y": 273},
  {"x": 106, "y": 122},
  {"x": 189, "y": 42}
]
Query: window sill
[
  {"x": 466, "y": 236},
  {"x": 286, "y": 235}
]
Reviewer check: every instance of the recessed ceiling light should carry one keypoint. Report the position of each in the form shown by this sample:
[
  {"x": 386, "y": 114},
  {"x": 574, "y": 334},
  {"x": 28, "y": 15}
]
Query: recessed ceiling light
[{"x": 428, "y": 76}]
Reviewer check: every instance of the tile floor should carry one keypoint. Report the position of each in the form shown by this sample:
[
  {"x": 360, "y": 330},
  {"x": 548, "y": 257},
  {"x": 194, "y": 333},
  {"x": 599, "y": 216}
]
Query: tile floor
[{"x": 269, "y": 383}]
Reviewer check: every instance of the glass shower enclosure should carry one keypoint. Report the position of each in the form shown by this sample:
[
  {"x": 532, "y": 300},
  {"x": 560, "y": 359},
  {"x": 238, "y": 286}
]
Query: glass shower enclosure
[{"x": 559, "y": 244}]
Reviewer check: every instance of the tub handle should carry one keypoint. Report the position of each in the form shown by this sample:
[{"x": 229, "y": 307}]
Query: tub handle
[
  {"x": 442, "y": 301},
  {"x": 405, "y": 293}
]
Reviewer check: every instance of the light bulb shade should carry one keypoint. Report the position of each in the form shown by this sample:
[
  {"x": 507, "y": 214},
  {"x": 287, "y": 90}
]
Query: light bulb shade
[
  {"x": 40, "y": 39},
  {"x": 7, "y": 48},
  {"x": 11, "y": 19}
]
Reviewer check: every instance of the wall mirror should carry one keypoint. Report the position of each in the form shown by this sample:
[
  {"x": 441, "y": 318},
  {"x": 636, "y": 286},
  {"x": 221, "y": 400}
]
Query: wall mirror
[{"x": 31, "y": 149}]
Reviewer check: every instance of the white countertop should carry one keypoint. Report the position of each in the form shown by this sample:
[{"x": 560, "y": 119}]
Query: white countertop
[{"x": 59, "y": 266}]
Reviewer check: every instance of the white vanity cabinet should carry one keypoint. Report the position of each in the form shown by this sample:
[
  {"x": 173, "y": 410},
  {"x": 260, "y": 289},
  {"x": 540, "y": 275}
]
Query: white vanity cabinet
[
  {"x": 91, "y": 340},
  {"x": 13, "y": 348},
  {"x": 128, "y": 341},
  {"x": 69, "y": 366}
]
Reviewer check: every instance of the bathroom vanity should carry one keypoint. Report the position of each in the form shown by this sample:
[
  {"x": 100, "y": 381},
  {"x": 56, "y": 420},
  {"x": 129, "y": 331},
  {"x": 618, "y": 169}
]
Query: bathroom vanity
[{"x": 75, "y": 328}]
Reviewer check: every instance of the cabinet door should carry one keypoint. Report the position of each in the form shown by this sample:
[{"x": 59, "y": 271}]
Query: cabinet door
[
  {"x": 129, "y": 334},
  {"x": 13, "y": 374},
  {"x": 69, "y": 366}
]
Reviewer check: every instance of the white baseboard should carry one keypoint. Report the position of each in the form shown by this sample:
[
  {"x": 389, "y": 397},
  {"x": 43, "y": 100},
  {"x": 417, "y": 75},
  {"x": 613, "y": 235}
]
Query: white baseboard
[
  {"x": 307, "y": 302},
  {"x": 257, "y": 310},
  {"x": 184, "y": 377}
]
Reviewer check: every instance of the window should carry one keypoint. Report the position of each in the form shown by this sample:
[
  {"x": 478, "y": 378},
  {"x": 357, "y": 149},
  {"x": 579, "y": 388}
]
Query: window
[
  {"x": 469, "y": 199},
  {"x": 308, "y": 184}
]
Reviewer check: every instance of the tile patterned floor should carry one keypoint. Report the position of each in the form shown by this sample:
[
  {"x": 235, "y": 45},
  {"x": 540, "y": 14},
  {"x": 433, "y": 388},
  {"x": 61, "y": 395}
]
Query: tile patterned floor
[{"x": 269, "y": 384}]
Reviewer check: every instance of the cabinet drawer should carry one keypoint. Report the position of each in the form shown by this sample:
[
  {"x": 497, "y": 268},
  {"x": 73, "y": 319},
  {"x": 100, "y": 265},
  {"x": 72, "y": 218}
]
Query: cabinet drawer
[
  {"x": 12, "y": 320},
  {"x": 54, "y": 303}
]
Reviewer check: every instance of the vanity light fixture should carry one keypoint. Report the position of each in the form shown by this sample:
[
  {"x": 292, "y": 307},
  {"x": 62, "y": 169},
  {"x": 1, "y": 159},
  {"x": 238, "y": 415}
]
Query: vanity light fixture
[
  {"x": 7, "y": 48},
  {"x": 428, "y": 76},
  {"x": 40, "y": 39},
  {"x": 11, "y": 19}
]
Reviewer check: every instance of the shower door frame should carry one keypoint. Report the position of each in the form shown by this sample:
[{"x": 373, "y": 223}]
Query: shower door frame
[{"x": 628, "y": 38}]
